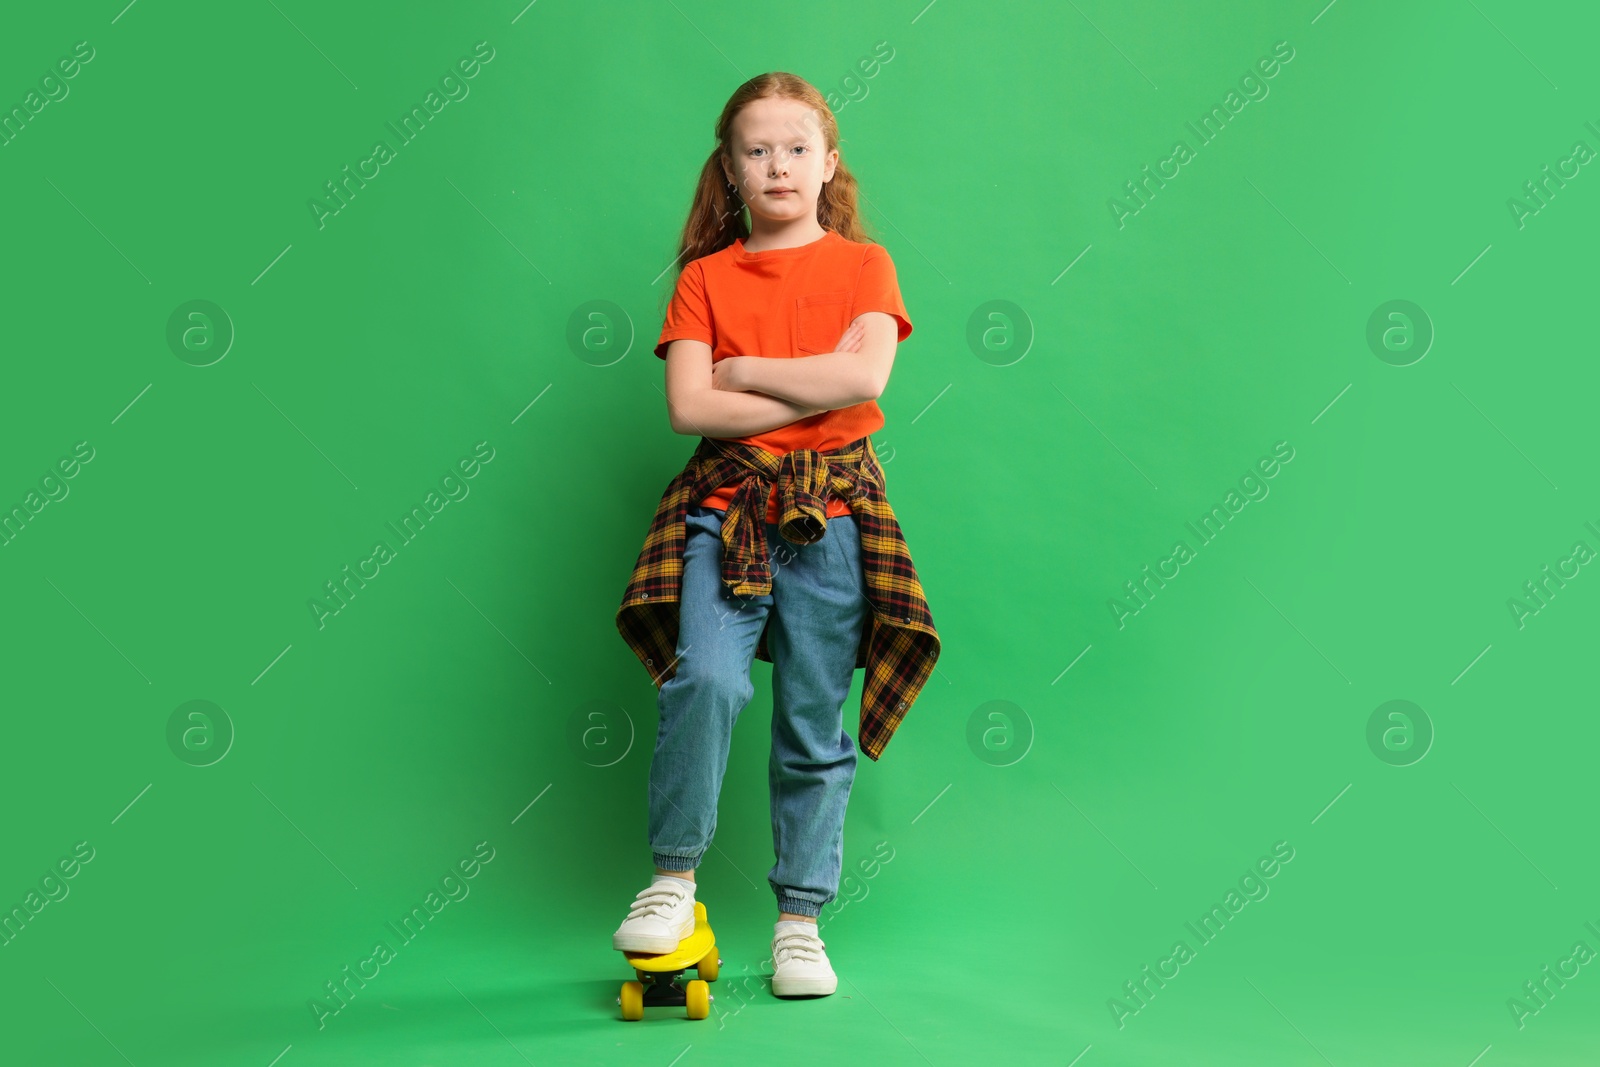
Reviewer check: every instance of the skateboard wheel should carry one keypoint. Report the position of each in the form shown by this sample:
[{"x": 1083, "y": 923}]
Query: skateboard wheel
[
  {"x": 632, "y": 1001},
  {"x": 697, "y": 999},
  {"x": 707, "y": 967}
]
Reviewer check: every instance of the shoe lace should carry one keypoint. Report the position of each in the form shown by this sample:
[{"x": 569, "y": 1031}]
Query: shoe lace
[
  {"x": 798, "y": 945},
  {"x": 656, "y": 900}
]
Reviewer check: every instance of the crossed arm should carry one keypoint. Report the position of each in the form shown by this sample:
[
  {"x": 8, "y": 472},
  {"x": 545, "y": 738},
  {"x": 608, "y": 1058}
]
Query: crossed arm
[{"x": 744, "y": 395}]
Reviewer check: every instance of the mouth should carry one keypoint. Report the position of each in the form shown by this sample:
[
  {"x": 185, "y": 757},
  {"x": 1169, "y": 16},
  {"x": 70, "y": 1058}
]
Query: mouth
[{"x": 779, "y": 192}]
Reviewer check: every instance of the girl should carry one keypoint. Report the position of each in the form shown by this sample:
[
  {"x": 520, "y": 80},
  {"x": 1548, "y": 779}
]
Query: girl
[{"x": 778, "y": 340}]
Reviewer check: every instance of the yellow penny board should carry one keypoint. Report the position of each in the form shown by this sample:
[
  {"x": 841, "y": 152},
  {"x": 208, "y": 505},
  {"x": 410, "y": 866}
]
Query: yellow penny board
[{"x": 660, "y": 978}]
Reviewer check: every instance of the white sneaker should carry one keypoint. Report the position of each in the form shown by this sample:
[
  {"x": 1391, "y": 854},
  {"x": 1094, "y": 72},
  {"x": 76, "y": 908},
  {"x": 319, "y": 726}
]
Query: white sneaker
[
  {"x": 662, "y": 915},
  {"x": 799, "y": 966}
]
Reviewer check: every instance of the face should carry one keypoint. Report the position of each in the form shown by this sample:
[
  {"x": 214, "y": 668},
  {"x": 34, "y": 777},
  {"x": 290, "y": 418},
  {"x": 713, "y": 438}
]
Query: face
[{"x": 778, "y": 144}]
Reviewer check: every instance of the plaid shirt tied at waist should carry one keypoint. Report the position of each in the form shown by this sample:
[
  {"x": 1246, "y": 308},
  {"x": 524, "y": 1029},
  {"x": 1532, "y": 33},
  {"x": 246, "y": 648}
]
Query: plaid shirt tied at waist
[{"x": 899, "y": 644}]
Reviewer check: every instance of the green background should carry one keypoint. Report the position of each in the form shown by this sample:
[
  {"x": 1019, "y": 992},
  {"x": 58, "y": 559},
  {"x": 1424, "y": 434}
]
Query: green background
[{"x": 1043, "y": 850}]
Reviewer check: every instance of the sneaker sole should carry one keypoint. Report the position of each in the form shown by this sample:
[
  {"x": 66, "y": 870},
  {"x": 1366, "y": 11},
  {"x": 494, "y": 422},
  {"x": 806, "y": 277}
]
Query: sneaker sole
[
  {"x": 659, "y": 945},
  {"x": 800, "y": 987}
]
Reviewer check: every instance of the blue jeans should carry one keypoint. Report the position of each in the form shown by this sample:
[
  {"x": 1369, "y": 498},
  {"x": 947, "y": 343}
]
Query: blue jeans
[{"x": 817, "y": 608}]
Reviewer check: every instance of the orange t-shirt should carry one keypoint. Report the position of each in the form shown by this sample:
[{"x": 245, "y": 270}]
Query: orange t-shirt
[{"x": 786, "y": 303}]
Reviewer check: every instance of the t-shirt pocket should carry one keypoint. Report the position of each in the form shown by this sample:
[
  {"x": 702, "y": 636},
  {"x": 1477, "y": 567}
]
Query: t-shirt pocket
[{"x": 822, "y": 318}]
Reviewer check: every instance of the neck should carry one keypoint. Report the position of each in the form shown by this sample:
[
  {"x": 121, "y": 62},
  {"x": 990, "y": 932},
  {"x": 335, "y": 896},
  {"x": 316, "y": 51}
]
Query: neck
[{"x": 768, "y": 235}]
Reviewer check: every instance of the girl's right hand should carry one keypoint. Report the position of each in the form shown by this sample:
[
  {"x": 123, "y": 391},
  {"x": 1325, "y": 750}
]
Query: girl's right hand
[{"x": 850, "y": 340}]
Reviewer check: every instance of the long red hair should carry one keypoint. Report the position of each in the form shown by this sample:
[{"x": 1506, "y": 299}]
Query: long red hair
[{"x": 717, "y": 216}]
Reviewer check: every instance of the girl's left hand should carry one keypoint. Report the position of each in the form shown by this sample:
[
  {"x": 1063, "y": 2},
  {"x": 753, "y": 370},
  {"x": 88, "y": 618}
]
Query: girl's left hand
[{"x": 730, "y": 374}]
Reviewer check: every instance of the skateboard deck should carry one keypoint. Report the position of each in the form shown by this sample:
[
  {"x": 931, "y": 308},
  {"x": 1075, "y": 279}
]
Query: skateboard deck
[{"x": 659, "y": 978}]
